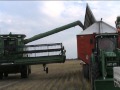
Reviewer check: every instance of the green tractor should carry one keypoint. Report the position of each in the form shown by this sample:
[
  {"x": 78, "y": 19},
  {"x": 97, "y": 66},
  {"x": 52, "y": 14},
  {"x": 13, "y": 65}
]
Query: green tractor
[{"x": 105, "y": 56}]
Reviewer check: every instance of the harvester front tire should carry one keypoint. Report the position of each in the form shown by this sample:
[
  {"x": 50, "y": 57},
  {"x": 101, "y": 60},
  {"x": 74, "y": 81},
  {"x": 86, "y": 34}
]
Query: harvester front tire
[
  {"x": 1, "y": 75},
  {"x": 47, "y": 70},
  {"x": 29, "y": 69},
  {"x": 5, "y": 74},
  {"x": 24, "y": 72}
]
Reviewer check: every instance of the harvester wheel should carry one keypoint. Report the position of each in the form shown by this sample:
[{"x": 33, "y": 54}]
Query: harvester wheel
[
  {"x": 5, "y": 74},
  {"x": 47, "y": 70},
  {"x": 24, "y": 71},
  {"x": 1, "y": 75},
  {"x": 86, "y": 71},
  {"x": 94, "y": 73},
  {"x": 29, "y": 70}
]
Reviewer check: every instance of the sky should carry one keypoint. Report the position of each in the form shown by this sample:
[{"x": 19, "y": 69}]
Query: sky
[{"x": 34, "y": 17}]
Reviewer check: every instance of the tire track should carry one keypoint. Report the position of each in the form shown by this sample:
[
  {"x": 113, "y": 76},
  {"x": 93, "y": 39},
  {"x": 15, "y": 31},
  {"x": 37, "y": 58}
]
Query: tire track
[
  {"x": 10, "y": 82},
  {"x": 82, "y": 80},
  {"x": 4, "y": 86}
]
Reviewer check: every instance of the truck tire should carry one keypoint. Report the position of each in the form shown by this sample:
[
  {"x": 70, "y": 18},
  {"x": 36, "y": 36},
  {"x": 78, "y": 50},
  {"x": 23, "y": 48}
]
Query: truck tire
[
  {"x": 94, "y": 73},
  {"x": 86, "y": 71},
  {"x": 24, "y": 71},
  {"x": 1, "y": 75}
]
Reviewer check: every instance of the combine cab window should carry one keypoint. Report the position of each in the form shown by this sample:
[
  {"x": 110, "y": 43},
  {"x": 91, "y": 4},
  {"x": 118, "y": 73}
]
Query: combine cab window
[
  {"x": 9, "y": 45},
  {"x": 107, "y": 44}
]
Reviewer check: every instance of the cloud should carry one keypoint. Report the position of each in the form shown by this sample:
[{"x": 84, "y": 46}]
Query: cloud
[
  {"x": 61, "y": 11},
  {"x": 52, "y": 8}
]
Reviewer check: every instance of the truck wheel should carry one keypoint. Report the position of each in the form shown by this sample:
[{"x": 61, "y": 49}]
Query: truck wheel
[
  {"x": 24, "y": 71},
  {"x": 94, "y": 73},
  {"x": 5, "y": 74},
  {"x": 86, "y": 71},
  {"x": 1, "y": 75}
]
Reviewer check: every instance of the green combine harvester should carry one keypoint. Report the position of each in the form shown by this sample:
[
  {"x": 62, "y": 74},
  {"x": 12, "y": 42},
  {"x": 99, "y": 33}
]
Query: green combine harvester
[{"x": 16, "y": 56}]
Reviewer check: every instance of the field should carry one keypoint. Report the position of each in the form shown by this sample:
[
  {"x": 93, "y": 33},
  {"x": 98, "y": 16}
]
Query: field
[{"x": 63, "y": 76}]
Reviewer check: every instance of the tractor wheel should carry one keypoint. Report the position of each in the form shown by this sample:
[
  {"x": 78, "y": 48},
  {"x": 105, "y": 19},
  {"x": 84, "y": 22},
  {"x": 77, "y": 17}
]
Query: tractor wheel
[
  {"x": 5, "y": 74},
  {"x": 94, "y": 73},
  {"x": 47, "y": 70},
  {"x": 24, "y": 71},
  {"x": 1, "y": 75},
  {"x": 86, "y": 71}
]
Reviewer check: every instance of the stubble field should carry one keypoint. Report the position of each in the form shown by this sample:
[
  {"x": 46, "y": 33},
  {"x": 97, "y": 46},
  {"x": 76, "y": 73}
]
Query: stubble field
[{"x": 63, "y": 76}]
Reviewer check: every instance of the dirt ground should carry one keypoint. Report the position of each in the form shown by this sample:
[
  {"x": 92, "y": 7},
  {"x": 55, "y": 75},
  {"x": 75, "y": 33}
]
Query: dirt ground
[{"x": 63, "y": 76}]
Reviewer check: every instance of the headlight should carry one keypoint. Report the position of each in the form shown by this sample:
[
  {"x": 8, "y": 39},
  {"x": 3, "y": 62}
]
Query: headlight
[
  {"x": 114, "y": 64},
  {"x": 111, "y": 64}
]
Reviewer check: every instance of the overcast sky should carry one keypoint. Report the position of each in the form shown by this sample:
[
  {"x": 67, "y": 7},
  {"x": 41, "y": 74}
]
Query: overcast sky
[{"x": 34, "y": 17}]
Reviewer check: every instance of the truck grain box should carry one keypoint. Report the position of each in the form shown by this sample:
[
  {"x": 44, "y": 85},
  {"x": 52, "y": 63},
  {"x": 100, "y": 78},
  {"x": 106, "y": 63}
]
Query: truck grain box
[{"x": 86, "y": 39}]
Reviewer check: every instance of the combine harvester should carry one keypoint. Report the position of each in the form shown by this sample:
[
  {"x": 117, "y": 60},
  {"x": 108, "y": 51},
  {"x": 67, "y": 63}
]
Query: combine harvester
[
  {"x": 16, "y": 56},
  {"x": 98, "y": 46}
]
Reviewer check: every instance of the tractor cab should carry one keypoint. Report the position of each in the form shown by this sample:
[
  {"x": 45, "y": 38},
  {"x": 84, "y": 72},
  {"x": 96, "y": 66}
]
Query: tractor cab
[
  {"x": 103, "y": 59},
  {"x": 107, "y": 42},
  {"x": 106, "y": 46}
]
